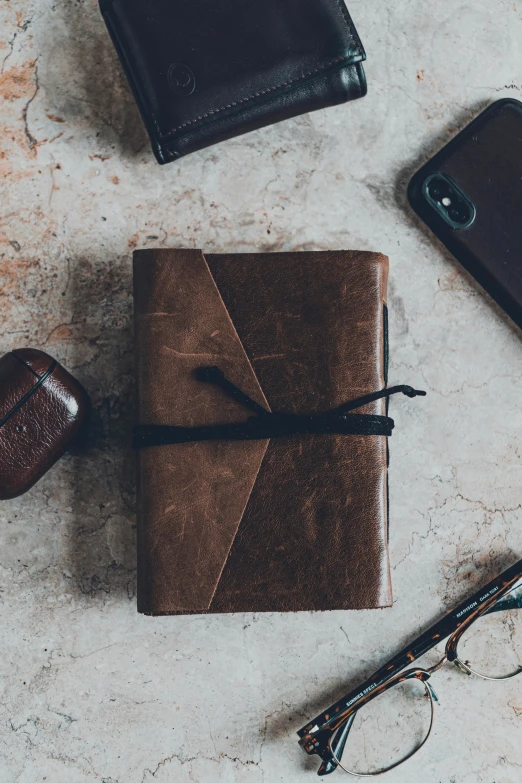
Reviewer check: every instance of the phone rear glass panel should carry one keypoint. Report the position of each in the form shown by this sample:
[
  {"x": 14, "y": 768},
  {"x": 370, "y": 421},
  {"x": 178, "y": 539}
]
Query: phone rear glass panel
[{"x": 485, "y": 162}]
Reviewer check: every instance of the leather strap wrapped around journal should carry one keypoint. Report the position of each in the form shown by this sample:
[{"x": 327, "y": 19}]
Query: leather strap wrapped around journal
[{"x": 260, "y": 524}]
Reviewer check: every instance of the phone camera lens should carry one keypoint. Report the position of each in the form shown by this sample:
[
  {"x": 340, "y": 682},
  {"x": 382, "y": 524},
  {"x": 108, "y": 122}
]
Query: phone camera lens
[
  {"x": 435, "y": 191},
  {"x": 446, "y": 198},
  {"x": 459, "y": 214}
]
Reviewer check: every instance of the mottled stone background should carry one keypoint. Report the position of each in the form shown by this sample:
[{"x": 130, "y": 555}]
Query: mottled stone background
[{"x": 90, "y": 691}]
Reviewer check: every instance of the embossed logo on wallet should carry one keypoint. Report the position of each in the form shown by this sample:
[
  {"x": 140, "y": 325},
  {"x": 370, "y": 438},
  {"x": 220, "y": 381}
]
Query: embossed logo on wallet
[{"x": 181, "y": 79}]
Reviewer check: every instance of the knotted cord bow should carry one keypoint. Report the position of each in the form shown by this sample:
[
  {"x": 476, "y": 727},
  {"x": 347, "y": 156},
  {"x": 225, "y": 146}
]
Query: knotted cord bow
[{"x": 265, "y": 424}]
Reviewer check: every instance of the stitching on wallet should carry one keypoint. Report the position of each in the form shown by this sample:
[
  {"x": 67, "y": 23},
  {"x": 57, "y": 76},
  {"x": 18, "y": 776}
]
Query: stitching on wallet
[{"x": 349, "y": 24}]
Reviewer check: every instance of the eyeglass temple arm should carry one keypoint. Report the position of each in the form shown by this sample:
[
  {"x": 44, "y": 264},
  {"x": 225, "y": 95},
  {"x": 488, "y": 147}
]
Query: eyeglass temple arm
[{"x": 505, "y": 604}]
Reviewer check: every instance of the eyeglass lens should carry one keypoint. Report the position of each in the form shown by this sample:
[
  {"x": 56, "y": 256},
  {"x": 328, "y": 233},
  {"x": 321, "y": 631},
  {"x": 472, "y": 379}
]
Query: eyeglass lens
[
  {"x": 492, "y": 646},
  {"x": 388, "y": 729}
]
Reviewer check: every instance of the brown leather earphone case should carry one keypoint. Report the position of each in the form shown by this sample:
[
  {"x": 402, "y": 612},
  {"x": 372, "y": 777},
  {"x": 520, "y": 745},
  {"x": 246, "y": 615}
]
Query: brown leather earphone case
[{"x": 42, "y": 408}]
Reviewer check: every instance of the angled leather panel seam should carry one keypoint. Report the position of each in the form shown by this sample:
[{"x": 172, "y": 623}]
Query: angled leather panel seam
[{"x": 267, "y": 442}]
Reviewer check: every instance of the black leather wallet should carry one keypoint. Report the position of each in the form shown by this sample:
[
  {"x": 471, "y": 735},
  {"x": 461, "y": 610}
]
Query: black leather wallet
[{"x": 206, "y": 70}]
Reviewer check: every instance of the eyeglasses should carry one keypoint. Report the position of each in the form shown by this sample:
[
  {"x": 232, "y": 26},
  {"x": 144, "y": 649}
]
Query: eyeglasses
[{"x": 485, "y": 639}]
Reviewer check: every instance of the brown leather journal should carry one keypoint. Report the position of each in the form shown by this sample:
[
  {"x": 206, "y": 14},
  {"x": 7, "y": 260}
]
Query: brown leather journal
[{"x": 286, "y": 524}]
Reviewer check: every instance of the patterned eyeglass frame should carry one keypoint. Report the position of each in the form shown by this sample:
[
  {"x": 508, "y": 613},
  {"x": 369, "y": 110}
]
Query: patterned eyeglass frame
[{"x": 322, "y": 736}]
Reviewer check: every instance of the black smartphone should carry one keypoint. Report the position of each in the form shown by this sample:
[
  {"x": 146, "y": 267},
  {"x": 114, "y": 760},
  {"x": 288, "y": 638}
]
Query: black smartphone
[{"x": 470, "y": 196}]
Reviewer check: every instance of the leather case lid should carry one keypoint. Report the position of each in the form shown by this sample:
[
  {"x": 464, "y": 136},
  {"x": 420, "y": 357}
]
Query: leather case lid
[
  {"x": 40, "y": 414},
  {"x": 290, "y": 524},
  {"x": 192, "y": 60}
]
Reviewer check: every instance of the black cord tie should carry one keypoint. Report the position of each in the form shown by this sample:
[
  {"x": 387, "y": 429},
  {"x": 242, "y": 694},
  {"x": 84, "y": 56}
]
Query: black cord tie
[{"x": 265, "y": 424}]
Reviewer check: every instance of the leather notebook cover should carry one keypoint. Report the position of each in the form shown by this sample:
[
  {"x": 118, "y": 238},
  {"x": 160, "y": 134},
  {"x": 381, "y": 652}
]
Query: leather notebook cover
[
  {"x": 205, "y": 70},
  {"x": 297, "y": 523}
]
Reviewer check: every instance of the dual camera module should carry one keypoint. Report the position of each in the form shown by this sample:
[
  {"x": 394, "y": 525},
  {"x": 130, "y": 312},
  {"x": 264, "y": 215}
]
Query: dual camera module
[{"x": 449, "y": 201}]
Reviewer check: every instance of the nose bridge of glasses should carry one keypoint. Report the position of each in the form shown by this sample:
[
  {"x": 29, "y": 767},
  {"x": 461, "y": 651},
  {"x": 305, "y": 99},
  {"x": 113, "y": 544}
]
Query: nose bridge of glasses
[{"x": 432, "y": 669}]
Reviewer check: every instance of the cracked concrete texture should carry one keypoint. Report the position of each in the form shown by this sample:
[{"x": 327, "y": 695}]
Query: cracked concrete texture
[{"x": 89, "y": 690}]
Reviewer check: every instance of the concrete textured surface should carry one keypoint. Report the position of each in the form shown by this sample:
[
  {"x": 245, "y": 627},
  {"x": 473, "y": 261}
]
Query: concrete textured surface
[{"x": 89, "y": 690}]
